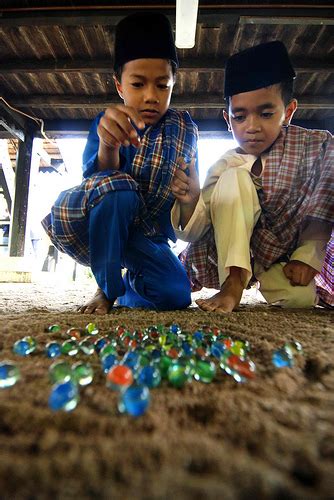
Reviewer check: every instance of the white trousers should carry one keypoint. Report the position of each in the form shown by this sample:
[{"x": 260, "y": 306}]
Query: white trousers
[{"x": 234, "y": 210}]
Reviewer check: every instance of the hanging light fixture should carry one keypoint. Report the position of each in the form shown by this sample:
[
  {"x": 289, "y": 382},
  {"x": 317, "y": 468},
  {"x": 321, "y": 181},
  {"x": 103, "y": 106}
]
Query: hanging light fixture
[{"x": 186, "y": 19}]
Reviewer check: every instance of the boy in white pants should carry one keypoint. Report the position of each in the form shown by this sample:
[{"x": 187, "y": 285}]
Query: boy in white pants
[{"x": 266, "y": 208}]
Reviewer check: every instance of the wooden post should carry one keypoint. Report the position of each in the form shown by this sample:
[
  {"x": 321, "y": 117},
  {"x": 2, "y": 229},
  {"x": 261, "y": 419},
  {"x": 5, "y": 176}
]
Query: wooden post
[{"x": 22, "y": 180}]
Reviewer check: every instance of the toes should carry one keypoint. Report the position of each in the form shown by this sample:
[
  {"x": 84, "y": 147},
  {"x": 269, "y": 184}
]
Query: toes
[
  {"x": 102, "y": 309},
  {"x": 224, "y": 310},
  {"x": 89, "y": 309}
]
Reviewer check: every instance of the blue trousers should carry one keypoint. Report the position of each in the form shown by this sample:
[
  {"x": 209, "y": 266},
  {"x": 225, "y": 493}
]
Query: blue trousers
[{"x": 155, "y": 278}]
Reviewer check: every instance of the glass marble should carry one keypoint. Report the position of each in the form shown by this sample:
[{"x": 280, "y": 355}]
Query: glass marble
[
  {"x": 31, "y": 341},
  {"x": 187, "y": 348},
  {"x": 173, "y": 353},
  {"x": 217, "y": 349},
  {"x": 70, "y": 347},
  {"x": 175, "y": 328},
  {"x": 197, "y": 338},
  {"x": 107, "y": 349},
  {"x": 144, "y": 358},
  {"x": 60, "y": 371},
  {"x": 153, "y": 333},
  {"x": 64, "y": 396},
  {"x": 149, "y": 376},
  {"x": 281, "y": 358},
  {"x": 83, "y": 373},
  {"x": 240, "y": 369},
  {"x": 134, "y": 400},
  {"x": 99, "y": 344},
  {"x": 86, "y": 347},
  {"x": 131, "y": 359},
  {"x": 92, "y": 329},
  {"x": 156, "y": 354},
  {"x": 75, "y": 333},
  {"x": 52, "y": 349},
  {"x": 9, "y": 374},
  {"x": 163, "y": 365},
  {"x": 178, "y": 374},
  {"x": 293, "y": 348},
  {"x": 108, "y": 361},
  {"x": 54, "y": 328},
  {"x": 119, "y": 377},
  {"x": 205, "y": 371},
  {"x": 238, "y": 348},
  {"x": 22, "y": 347}
]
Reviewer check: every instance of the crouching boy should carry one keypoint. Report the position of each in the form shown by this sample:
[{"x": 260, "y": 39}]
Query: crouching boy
[{"x": 267, "y": 207}]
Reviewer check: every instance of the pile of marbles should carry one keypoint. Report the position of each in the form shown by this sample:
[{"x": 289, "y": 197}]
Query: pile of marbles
[{"x": 135, "y": 362}]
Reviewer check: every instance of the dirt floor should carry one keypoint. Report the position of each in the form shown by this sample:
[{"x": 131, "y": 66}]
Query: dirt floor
[{"x": 271, "y": 437}]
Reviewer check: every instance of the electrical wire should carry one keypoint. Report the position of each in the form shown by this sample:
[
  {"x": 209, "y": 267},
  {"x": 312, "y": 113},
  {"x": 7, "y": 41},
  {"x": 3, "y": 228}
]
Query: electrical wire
[{"x": 39, "y": 121}]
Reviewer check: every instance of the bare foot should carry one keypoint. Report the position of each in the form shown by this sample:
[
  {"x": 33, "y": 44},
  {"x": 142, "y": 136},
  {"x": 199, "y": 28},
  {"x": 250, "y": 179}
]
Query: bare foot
[
  {"x": 228, "y": 298},
  {"x": 99, "y": 304}
]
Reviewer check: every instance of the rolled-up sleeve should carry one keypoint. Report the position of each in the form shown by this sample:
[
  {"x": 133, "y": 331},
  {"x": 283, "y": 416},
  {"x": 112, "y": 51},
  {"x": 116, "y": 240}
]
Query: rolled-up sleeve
[{"x": 198, "y": 224}]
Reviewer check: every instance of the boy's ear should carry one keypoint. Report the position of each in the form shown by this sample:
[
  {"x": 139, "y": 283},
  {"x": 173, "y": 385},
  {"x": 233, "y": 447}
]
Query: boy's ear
[
  {"x": 227, "y": 119},
  {"x": 118, "y": 86},
  {"x": 290, "y": 111}
]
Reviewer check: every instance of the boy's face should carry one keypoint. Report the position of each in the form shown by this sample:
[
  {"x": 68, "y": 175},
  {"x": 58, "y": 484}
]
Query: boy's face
[
  {"x": 146, "y": 85},
  {"x": 256, "y": 118}
]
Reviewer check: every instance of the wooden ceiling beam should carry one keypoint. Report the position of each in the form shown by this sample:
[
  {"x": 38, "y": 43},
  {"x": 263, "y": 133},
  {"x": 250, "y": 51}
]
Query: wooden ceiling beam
[
  {"x": 80, "y": 128},
  {"x": 207, "y": 101},
  {"x": 105, "y": 66},
  {"x": 214, "y": 15}
]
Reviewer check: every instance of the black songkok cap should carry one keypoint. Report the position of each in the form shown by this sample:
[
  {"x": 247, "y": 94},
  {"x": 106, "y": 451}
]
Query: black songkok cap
[
  {"x": 257, "y": 67},
  {"x": 144, "y": 35}
]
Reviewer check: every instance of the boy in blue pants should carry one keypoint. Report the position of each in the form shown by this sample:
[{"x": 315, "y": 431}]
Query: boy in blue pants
[{"x": 119, "y": 217}]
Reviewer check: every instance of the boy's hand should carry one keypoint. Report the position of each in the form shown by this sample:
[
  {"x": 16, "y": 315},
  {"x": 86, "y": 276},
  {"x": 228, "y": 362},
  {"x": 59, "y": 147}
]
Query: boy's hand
[
  {"x": 115, "y": 127},
  {"x": 299, "y": 273},
  {"x": 185, "y": 183}
]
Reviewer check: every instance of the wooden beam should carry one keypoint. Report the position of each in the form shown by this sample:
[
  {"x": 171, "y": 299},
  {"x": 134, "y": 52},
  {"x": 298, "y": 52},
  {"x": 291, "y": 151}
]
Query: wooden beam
[
  {"x": 206, "y": 101},
  {"x": 294, "y": 21},
  {"x": 80, "y": 128},
  {"x": 22, "y": 181},
  {"x": 105, "y": 66},
  {"x": 110, "y": 15},
  {"x": 12, "y": 129},
  {"x": 14, "y": 121}
]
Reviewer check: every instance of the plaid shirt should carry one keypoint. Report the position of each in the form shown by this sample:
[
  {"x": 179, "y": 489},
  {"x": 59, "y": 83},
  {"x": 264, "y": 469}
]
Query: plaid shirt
[
  {"x": 152, "y": 171},
  {"x": 297, "y": 183},
  {"x": 325, "y": 280}
]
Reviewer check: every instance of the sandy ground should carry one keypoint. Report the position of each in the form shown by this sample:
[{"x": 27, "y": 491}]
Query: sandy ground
[{"x": 271, "y": 437}]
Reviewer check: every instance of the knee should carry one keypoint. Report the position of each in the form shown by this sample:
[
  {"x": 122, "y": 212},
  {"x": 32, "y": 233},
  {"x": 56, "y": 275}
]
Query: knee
[
  {"x": 175, "y": 297},
  {"x": 301, "y": 297},
  {"x": 291, "y": 297},
  {"x": 124, "y": 200}
]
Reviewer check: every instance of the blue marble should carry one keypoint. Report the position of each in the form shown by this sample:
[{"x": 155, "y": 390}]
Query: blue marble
[
  {"x": 9, "y": 374},
  {"x": 282, "y": 359},
  {"x": 149, "y": 376},
  {"x": 52, "y": 350},
  {"x": 64, "y": 396},
  {"x": 135, "y": 400},
  {"x": 108, "y": 362},
  {"x": 22, "y": 347}
]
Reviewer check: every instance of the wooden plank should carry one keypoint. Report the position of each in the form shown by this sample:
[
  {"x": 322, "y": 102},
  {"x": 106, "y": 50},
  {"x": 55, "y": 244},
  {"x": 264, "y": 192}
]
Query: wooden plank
[
  {"x": 187, "y": 101},
  {"x": 80, "y": 128}
]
